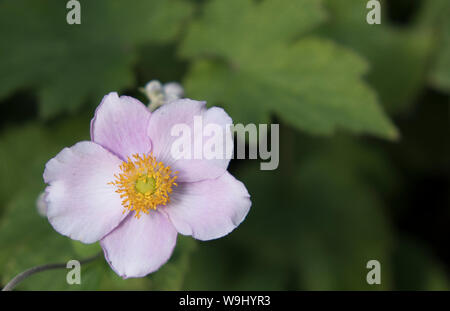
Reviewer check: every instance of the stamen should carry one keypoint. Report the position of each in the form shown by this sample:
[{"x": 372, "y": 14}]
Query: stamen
[{"x": 144, "y": 184}]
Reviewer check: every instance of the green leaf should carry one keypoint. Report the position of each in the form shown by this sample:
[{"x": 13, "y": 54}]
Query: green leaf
[
  {"x": 69, "y": 64},
  {"x": 259, "y": 67},
  {"x": 245, "y": 26},
  {"x": 398, "y": 57},
  {"x": 435, "y": 17}
]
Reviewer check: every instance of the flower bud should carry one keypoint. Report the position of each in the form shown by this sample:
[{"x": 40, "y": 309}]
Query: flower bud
[
  {"x": 173, "y": 91},
  {"x": 159, "y": 94},
  {"x": 41, "y": 205}
]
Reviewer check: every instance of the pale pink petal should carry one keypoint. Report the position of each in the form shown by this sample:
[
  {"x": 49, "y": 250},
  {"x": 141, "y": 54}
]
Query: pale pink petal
[
  {"x": 209, "y": 209},
  {"x": 120, "y": 125},
  {"x": 183, "y": 111},
  {"x": 140, "y": 246},
  {"x": 80, "y": 202}
]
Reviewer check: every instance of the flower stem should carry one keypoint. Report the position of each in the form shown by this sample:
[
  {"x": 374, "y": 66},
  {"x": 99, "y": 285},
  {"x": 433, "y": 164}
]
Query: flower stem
[{"x": 25, "y": 274}]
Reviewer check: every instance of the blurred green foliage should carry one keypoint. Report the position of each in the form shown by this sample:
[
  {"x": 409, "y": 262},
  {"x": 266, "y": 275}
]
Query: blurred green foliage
[
  {"x": 265, "y": 64},
  {"x": 398, "y": 56},
  {"x": 351, "y": 185},
  {"x": 440, "y": 72},
  {"x": 65, "y": 63}
]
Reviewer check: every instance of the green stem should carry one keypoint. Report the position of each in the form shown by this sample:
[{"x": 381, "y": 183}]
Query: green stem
[{"x": 25, "y": 274}]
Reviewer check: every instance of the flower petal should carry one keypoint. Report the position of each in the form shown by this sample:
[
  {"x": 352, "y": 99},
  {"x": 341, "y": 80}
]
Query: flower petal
[
  {"x": 209, "y": 209},
  {"x": 80, "y": 202},
  {"x": 120, "y": 125},
  {"x": 140, "y": 246},
  {"x": 183, "y": 111}
]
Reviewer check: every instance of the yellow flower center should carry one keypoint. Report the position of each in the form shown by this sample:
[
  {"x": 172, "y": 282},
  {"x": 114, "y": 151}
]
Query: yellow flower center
[{"x": 144, "y": 183}]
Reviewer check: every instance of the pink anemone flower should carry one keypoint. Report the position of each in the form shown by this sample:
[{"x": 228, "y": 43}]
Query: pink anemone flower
[{"x": 124, "y": 189}]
